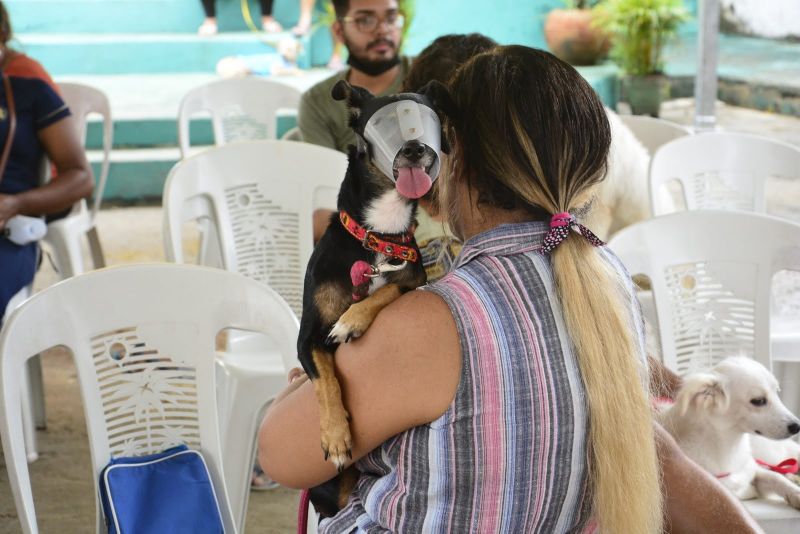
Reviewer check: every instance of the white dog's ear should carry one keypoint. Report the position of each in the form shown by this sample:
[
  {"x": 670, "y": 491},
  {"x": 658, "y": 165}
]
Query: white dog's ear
[{"x": 701, "y": 390}]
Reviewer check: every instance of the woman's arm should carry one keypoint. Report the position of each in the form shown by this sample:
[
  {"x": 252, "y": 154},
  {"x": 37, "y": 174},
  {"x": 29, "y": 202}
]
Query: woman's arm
[
  {"x": 74, "y": 180},
  {"x": 402, "y": 373},
  {"x": 694, "y": 501}
]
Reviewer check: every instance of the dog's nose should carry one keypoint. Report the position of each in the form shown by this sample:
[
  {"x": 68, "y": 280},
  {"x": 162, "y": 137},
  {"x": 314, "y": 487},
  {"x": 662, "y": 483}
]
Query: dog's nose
[
  {"x": 413, "y": 150},
  {"x": 794, "y": 428}
]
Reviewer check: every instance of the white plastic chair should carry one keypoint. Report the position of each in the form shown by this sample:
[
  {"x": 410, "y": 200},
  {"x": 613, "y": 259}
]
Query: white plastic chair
[
  {"x": 711, "y": 274},
  {"x": 142, "y": 338},
  {"x": 722, "y": 170},
  {"x": 730, "y": 171},
  {"x": 240, "y": 108},
  {"x": 64, "y": 236},
  {"x": 653, "y": 132},
  {"x": 258, "y": 198}
]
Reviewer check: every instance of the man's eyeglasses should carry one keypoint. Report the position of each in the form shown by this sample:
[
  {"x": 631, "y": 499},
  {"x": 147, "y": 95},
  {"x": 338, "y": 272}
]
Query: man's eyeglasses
[{"x": 368, "y": 23}]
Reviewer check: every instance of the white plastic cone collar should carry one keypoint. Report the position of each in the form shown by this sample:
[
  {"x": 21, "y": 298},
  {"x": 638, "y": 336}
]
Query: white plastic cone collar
[{"x": 398, "y": 122}]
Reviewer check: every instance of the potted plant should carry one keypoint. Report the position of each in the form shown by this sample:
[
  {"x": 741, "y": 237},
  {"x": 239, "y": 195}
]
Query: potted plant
[
  {"x": 641, "y": 29},
  {"x": 572, "y": 36}
]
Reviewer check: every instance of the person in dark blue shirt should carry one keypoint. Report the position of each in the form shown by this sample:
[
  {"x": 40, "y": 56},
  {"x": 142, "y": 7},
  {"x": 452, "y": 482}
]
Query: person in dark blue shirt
[{"x": 44, "y": 127}]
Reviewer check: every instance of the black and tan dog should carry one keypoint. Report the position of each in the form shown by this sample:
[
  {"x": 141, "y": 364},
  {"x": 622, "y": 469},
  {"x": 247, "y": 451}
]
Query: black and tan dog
[{"x": 366, "y": 259}]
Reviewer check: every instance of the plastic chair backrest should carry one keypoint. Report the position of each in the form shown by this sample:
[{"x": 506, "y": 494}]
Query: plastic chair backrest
[
  {"x": 84, "y": 100},
  {"x": 240, "y": 108},
  {"x": 653, "y": 132},
  {"x": 259, "y": 197},
  {"x": 711, "y": 274},
  {"x": 721, "y": 170},
  {"x": 142, "y": 339}
]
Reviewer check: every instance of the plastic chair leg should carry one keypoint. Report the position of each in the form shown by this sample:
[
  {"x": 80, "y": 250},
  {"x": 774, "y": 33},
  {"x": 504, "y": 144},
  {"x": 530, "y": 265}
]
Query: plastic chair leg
[
  {"x": 28, "y": 420},
  {"x": 37, "y": 391},
  {"x": 96, "y": 249}
]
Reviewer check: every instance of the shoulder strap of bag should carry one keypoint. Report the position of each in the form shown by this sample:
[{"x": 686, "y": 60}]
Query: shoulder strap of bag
[{"x": 12, "y": 124}]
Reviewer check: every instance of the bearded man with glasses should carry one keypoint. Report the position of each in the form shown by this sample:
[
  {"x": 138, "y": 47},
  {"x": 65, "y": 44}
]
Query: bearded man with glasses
[{"x": 371, "y": 31}]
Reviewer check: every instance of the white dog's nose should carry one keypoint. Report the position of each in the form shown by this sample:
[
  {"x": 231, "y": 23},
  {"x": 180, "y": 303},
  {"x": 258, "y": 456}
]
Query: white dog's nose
[{"x": 793, "y": 428}]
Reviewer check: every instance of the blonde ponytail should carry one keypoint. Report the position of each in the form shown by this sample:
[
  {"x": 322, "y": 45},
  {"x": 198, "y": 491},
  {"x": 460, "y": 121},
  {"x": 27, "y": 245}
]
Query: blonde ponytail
[{"x": 623, "y": 461}]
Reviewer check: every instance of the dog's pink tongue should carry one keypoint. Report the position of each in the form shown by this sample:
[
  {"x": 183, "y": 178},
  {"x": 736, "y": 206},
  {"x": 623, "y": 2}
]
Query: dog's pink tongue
[{"x": 412, "y": 182}]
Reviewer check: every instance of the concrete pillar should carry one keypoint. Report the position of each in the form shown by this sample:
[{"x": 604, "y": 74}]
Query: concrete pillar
[{"x": 705, "y": 86}]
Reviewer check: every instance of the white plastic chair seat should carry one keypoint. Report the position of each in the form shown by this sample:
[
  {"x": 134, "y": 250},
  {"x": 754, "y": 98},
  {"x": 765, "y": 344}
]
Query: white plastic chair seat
[
  {"x": 773, "y": 515},
  {"x": 256, "y": 360},
  {"x": 143, "y": 341}
]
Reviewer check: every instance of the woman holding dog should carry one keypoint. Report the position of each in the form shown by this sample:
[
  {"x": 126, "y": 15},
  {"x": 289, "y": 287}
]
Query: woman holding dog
[{"x": 503, "y": 397}]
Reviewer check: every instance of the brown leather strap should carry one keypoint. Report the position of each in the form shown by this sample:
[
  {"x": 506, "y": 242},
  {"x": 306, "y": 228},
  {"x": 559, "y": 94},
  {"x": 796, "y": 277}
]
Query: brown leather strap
[{"x": 12, "y": 124}]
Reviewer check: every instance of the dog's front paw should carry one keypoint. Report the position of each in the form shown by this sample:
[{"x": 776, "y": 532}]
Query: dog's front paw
[
  {"x": 342, "y": 333},
  {"x": 337, "y": 443},
  {"x": 352, "y": 324}
]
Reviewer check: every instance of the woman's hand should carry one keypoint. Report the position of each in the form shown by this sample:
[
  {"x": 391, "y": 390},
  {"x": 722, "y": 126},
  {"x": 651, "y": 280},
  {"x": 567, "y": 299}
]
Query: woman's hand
[{"x": 9, "y": 207}]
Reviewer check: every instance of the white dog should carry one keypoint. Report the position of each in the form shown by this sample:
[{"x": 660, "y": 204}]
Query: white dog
[
  {"x": 716, "y": 412},
  {"x": 623, "y": 197}
]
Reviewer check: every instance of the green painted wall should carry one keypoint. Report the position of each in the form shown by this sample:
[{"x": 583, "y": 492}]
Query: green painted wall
[{"x": 506, "y": 21}]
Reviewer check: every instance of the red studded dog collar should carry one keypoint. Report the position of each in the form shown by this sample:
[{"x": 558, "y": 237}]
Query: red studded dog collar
[{"x": 387, "y": 245}]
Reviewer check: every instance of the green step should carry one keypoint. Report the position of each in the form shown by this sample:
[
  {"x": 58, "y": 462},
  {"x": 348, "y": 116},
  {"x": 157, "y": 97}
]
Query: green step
[
  {"x": 71, "y": 54},
  {"x": 136, "y": 16},
  {"x": 149, "y": 133},
  {"x": 136, "y": 175}
]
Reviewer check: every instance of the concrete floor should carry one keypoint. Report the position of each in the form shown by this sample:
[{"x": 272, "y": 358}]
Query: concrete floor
[{"x": 62, "y": 476}]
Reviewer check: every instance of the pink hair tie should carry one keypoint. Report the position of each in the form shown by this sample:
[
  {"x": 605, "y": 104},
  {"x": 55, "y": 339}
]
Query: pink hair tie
[
  {"x": 560, "y": 225},
  {"x": 560, "y": 219}
]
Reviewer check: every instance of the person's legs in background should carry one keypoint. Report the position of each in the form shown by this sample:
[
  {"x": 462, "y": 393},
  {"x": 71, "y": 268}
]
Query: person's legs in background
[
  {"x": 209, "y": 25},
  {"x": 304, "y": 23},
  {"x": 303, "y": 26},
  {"x": 268, "y": 23}
]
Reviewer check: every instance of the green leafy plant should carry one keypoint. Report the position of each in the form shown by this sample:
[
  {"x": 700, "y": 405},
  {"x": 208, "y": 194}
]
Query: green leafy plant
[{"x": 641, "y": 29}]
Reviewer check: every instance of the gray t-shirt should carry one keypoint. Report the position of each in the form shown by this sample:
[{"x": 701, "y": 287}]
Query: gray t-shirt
[{"x": 323, "y": 121}]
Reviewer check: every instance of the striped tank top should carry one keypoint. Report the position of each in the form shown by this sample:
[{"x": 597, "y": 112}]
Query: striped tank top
[{"x": 510, "y": 452}]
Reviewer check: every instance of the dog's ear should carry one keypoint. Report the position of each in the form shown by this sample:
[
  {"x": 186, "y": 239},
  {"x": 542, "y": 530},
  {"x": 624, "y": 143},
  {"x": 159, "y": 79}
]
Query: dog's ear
[
  {"x": 704, "y": 391},
  {"x": 355, "y": 96},
  {"x": 443, "y": 104}
]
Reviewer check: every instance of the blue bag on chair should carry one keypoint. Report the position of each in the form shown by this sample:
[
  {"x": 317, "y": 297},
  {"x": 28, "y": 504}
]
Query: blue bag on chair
[{"x": 168, "y": 492}]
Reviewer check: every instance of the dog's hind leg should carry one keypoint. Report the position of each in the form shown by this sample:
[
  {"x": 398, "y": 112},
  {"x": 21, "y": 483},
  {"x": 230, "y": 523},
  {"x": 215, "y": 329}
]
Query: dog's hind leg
[
  {"x": 333, "y": 418},
  {"x": 767, "y": 482},
  {"x": 360, "y": 315}
]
